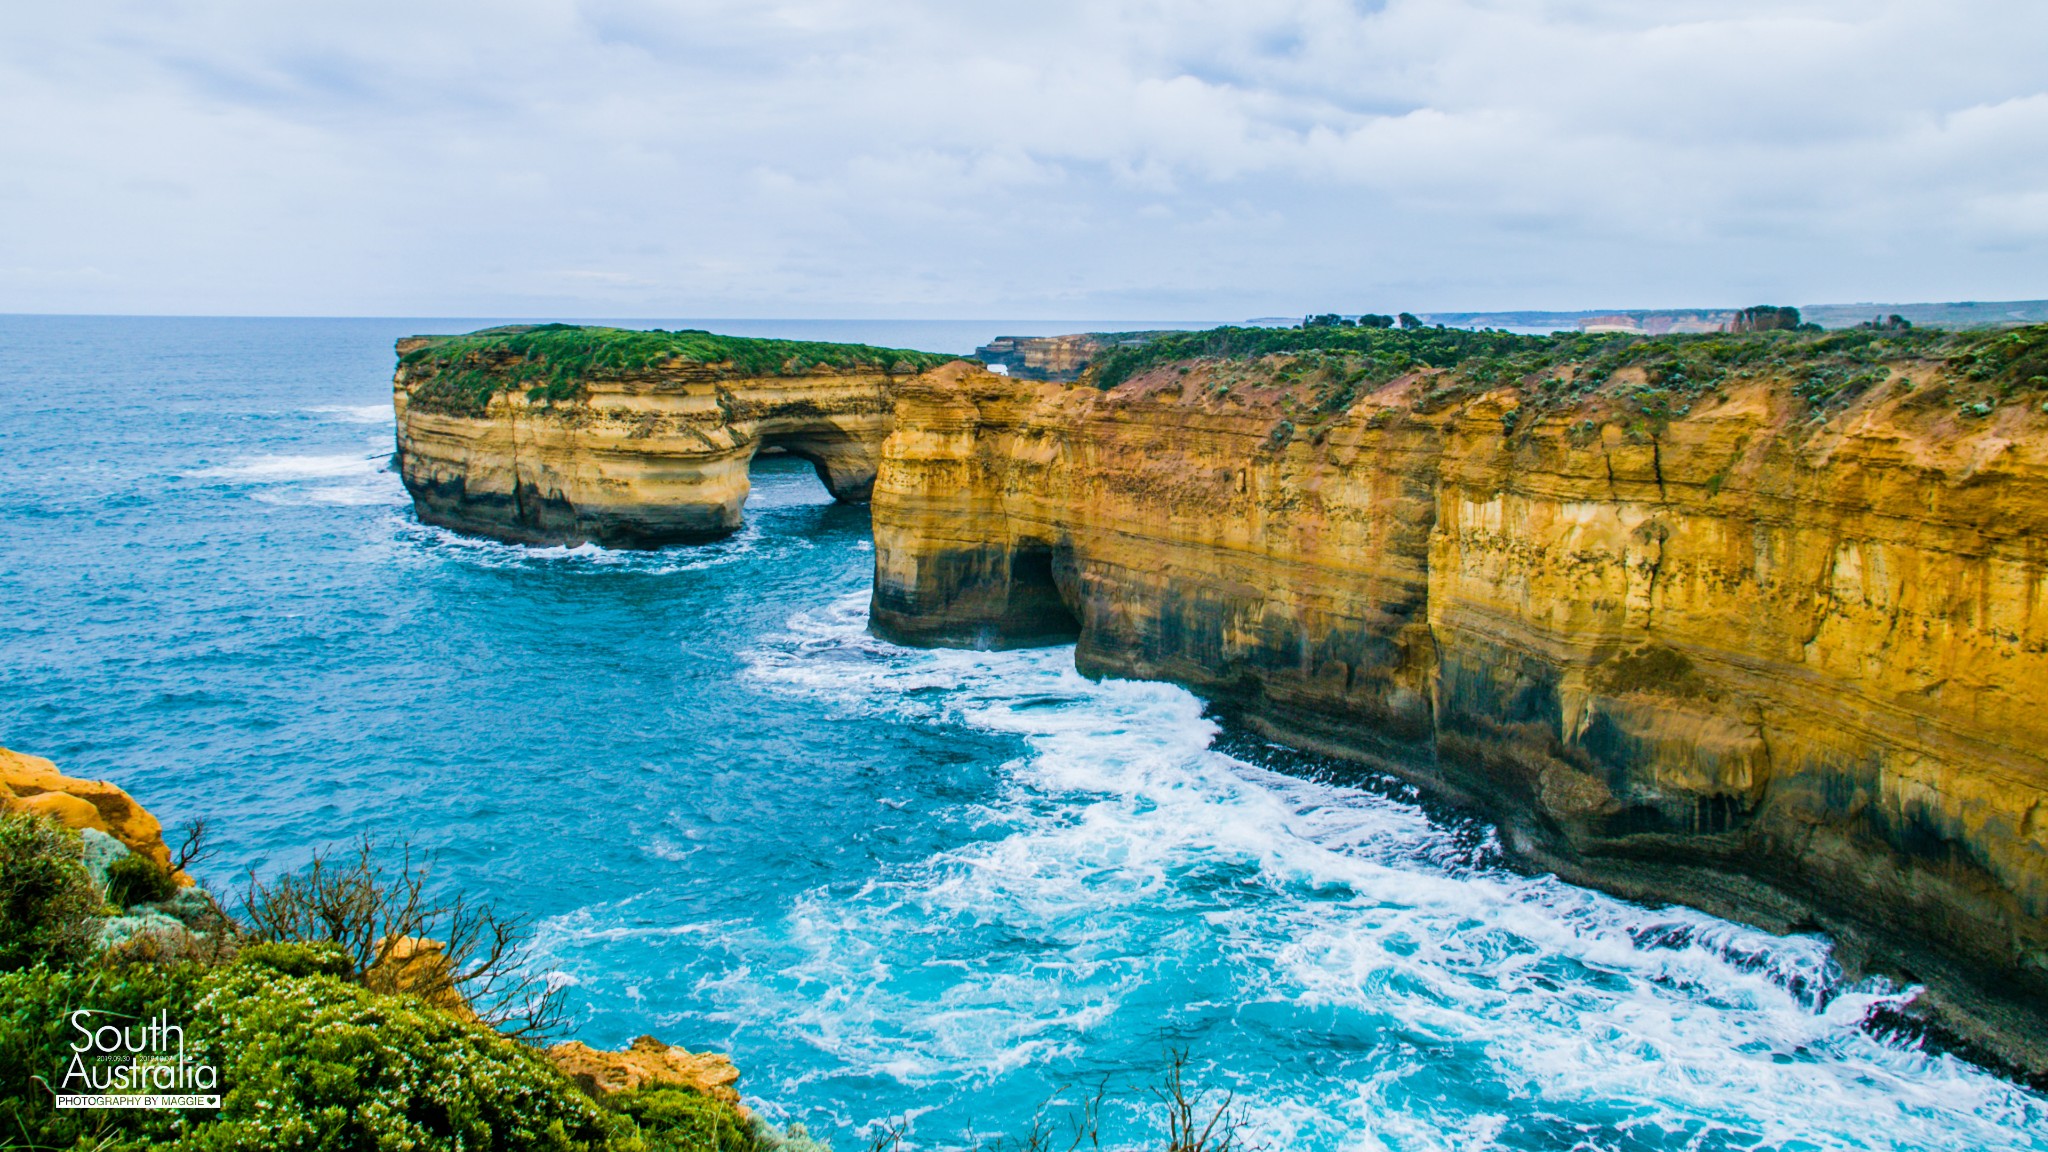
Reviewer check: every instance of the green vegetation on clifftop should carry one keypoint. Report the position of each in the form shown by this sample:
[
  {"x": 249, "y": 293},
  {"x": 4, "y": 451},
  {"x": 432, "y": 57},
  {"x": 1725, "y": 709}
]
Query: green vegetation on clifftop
[
  {"x": 1656, "y": 376},
  {"x": 551, "y": 362}
]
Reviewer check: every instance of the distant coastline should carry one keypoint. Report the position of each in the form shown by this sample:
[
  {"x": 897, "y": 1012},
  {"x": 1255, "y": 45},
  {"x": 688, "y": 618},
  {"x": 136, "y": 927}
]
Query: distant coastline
[{"x": 1661, "y": 321}]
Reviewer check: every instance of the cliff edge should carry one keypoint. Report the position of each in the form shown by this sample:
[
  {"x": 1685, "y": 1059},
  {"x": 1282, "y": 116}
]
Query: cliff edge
[{"x": 1754, "y": 623}]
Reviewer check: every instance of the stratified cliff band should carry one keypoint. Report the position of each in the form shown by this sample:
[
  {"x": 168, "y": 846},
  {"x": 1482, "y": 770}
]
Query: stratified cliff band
[
  {"x": 561, "y": 435},
  {"x": 1756, "y": 623}
]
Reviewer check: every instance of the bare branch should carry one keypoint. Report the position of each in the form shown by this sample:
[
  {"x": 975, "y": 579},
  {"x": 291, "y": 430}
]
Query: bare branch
[
  {"x": 889, "y": 1135},
  {"x": 1191, "y": 1124},
  {"x": 458, "y": 954},
  {"x": 193, "y": 848}
]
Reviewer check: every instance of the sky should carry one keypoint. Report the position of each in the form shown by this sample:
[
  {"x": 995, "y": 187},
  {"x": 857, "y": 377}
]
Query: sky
[{"x": 1165, "y": 159}]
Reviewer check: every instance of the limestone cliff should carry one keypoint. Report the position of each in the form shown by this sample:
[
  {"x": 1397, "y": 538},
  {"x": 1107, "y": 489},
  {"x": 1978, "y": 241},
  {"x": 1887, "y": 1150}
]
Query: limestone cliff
[
  {"x": 562, "y": 435},
  {"x": 1761, "y": 627}
]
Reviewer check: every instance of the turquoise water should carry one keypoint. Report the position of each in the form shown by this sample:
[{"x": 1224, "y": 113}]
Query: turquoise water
[{"x": 939, "y": 885}]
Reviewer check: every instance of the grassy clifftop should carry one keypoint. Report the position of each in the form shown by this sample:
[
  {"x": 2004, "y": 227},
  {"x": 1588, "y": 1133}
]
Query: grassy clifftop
[
  {"x": 1981, "y": 371},
  {"x": 552, "y": 361}
]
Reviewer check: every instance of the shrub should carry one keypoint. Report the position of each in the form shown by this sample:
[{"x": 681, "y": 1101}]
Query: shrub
[
  {"x": 1767, "y": 318},
  {"x": 307, "y": 1060},
  {"x": 296, "y": 959},
  {"x": 136, "y": 879},
  {"x": 314, "y": 1062},
  {"x": 35, "y": 1039},
  {"x": 47, "y": 899},
  {"x": 672, "y": 1119}
]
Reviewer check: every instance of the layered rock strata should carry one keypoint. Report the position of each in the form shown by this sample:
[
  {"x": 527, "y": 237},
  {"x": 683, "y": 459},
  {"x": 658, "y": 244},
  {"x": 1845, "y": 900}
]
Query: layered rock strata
[
  {"x": 636, "y": 456},
  {"x": 1787, "y": 666}
]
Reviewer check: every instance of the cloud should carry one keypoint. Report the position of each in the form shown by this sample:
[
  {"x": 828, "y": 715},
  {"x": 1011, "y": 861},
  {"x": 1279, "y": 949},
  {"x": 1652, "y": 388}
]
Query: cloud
[{"x": 1194, "y": 158}]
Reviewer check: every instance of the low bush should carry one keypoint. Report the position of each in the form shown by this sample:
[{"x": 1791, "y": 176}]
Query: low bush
[
  {"x": 307, "y": 1060},
  {"x": 48, "y": 901},
  {"x": 136, "y": 879},
  {"x": 672, "y": 1119},
  {"x": 374, "y": 914}
]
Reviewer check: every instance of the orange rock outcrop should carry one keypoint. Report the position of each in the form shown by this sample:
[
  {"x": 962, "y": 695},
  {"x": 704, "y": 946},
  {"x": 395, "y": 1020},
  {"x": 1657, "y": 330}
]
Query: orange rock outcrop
[
  {"x": 32, "y": 784},
  {"x": 646, "y": 1063}
]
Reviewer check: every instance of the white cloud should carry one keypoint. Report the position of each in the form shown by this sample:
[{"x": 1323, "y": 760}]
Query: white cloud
[{"x": 1157, "y": 158}]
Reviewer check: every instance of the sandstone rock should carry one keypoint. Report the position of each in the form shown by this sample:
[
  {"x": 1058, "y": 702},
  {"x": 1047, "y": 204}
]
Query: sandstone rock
[
  {"x": 1788, "y": 671},
  {"x": 646, "y": 1063},
  {"x": 32, "y": 784},
  {"x": 642, "y": 458},
  {"x": 419, "y": 965}
]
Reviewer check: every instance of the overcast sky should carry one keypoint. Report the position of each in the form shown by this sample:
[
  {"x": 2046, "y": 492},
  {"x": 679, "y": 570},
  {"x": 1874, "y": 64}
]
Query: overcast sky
[{"x": 1192, "y": 159}]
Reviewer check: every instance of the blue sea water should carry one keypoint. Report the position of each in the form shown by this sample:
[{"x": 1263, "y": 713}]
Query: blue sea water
[{"x": 936, "y": 885}]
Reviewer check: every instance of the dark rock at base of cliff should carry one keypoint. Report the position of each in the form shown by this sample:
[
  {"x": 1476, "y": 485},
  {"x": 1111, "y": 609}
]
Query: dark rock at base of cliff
[
  {"x": 982, "y": 598},
  {"x": 528, "y": 517}
]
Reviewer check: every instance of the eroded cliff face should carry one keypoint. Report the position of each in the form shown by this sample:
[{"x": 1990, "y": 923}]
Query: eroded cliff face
[
  {"x": 633, "y": 457},
  {"x": 1785, "y": 666}
]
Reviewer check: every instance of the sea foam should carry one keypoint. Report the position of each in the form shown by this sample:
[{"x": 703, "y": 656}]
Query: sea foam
[{"x": 1418, "y": 994}]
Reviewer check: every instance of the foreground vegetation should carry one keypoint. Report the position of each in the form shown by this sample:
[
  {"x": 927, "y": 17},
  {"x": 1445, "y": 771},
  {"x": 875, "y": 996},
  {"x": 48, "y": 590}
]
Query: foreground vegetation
[
  {"x": 318, "y": 1041},
  {"x": 552, "y": 362}
]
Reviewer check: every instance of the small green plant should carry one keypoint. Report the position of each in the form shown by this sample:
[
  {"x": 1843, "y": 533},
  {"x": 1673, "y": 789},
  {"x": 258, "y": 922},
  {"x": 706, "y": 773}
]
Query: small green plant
[
  {"x": 136, "y": 879},
  {"x": 672, "y": 1119},
  {"x": 1651, "y": 668}
]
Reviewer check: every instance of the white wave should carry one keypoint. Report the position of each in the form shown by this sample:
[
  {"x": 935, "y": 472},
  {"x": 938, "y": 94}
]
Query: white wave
[
  {"x": 356, "y": 479},
  {"x": 773, "y": 490},
  {"x": 385, "y": 491},
  {"x": 1127, "y": 844},
  {"x": 371, "y": 492},
  {"x": 357, "y": 413},
  {"x": 270, "y": 468}
]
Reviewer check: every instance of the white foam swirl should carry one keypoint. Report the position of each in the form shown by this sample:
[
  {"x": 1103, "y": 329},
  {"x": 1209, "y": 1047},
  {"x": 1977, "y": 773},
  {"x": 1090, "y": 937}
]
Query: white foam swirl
[{"x": 1124, "y": 844}]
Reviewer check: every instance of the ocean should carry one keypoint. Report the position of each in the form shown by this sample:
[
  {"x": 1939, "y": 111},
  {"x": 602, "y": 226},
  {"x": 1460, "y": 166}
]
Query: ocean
[{"x": 947, "y": 889}]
